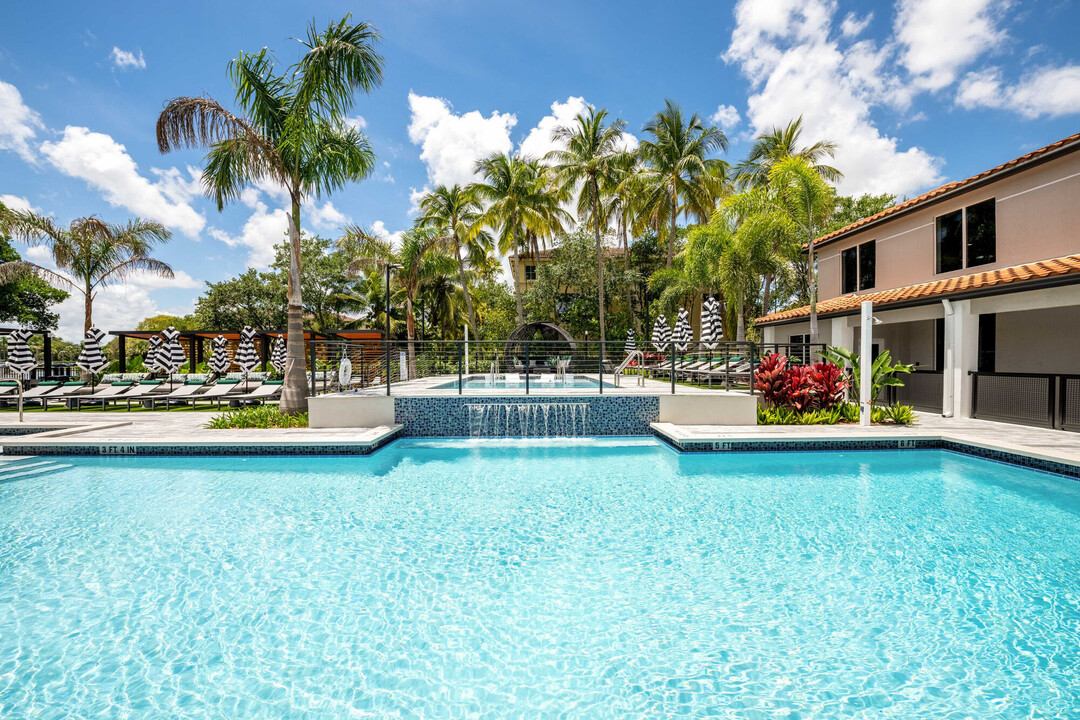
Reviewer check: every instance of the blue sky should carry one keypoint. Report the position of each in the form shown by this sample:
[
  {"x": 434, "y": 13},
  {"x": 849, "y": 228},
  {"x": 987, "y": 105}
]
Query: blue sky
[{"x": 917, "y": 92}]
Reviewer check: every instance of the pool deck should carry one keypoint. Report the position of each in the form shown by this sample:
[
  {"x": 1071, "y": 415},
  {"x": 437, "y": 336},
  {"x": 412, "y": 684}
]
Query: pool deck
[{"x": 184, "y": 430}]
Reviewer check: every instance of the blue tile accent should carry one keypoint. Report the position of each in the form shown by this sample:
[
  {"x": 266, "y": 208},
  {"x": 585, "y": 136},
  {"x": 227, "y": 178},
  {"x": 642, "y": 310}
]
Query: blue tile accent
[{"x": 448, "y": 417}]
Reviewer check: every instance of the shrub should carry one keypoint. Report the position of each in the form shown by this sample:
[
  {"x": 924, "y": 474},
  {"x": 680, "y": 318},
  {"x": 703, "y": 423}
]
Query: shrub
[
  {"x": 798, "y": 388},
  {"x": 828, "y": 382},
  {"x": 769, "y": 378},
  {"x": 257, "y": 416},
  {"x": 899, "y": 414}
]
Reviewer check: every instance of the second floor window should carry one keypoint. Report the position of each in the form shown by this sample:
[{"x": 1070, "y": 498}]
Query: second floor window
[
  {"x": 969, "y": 234},
  {"x": 858, "y": 268},
  {"x": 530, "y": 272}
]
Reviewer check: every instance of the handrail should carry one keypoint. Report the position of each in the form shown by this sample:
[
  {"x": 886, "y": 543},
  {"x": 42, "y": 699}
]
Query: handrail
[{"x": 640, "y": 356}]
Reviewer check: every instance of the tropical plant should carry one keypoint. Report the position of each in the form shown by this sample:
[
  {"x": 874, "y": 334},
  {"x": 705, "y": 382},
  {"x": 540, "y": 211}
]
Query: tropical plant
[
  {"x": 883, "y": 372},
  {"x": 829, "y": 385},
  {"x": 899, "y": 414},
  {"x": 455, "y": 213},
  {"x": 292, "y": 133},
  {"x": 848, "y": 209},
  {"x": 769, "y": 378},
  {"x": 89, "y": 253},
  {"x": 780, "y": 143},
  {"x": 27, "y": 301},
  {"x": 589, "y": 162},
  {"x": 678, "y": 175},
  {"x": 256, "y": 417}
]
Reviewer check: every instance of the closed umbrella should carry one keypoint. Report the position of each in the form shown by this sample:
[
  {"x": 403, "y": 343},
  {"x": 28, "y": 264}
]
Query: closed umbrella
[
  {"x": 150, "y": 361},
  {"x": 684, "y": 334},
  {"x": 630, "y": 345},
  {"x": 92, "y": 359},
  {"x": 171, "y": 355},
  {"x": 20, "y": 359},
  {"x": 712, "y": 329},
  {"x": 661, "y": 334},
  {"x": 247, "y": 357},
  {"x": 219, "y": 359},
  {"x": 277, "y": 357}
]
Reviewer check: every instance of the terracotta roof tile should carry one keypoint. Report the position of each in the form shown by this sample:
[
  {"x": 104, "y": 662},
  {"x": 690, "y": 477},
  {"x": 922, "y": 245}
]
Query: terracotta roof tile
[
  {"x": 1042, "y": 269},
  {"x": 948, "y": 187}
]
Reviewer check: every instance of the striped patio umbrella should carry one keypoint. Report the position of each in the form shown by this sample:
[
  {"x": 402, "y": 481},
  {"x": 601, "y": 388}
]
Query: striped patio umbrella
[
  {"x": 277, "y": 357},
  {"x": 661, "y": 334},
  {"x": 684, "y": 334},
  {"x": 20, "y": 359},
  {"x": 150, "y": 361},
  {"x": 219, "y": 359},
  {"x": 92, "y": 359},
  {"x": 631, "y": 343},
  {"x": 712, "y": 328},
  {"x": 247, "y": 357},
  {"x": 171, "y": 355}
]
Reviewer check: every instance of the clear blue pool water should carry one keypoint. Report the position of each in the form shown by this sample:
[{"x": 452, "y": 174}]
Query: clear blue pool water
[
  {"x": 479, "y": 382},
  {"x": 578, "y": 579}
]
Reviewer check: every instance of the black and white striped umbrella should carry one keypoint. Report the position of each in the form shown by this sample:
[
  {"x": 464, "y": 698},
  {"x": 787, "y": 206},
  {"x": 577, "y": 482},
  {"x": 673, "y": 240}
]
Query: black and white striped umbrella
[
  {"x": 684, "y": 334},
  {"x": 20, "y": 358},
  {"x": 171, "y": 355},
  {"x": 92, "y": 359},
  {"x": 661, "y": 334},
  {"x": 277, "y": 357},
  {"x": 631, "y": 343},
  {"x": 151, "y": 359},
  {"x": 712, "y": 327},
  {"x": 247, "y": 357},
  {"x": 219, "y": 359}
]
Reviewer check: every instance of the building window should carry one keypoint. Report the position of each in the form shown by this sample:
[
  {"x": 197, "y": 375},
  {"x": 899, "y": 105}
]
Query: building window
[
  {"x": 967, "y": 238},
  {"x": 798, "y": 354},
  {"x": 849, "y": 267},
  {"x": 530, "y": 272},
  {"x": 949, "y": 232},
  {"x": 857, "y": 268},
  {"x": 981, "y": 234},
  {"x": 867, "y": 262}
]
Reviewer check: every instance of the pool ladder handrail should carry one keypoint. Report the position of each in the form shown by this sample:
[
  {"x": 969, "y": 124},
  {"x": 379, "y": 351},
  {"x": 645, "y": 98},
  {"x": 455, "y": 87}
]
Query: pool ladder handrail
[{"x": 638, "y": 355}]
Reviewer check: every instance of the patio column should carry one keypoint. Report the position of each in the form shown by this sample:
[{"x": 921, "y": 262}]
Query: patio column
[
  {"x": 961, "y": 357},
  {"x": 842, "y": 334},
  {"x": 121, "y": 352}
]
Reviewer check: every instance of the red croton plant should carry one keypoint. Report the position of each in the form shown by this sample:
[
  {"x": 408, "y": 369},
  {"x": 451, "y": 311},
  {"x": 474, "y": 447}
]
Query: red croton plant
[{"x": 800, "y": 387}]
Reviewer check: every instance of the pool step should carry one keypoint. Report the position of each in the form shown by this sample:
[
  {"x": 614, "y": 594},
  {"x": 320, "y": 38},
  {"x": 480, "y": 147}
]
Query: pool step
[{"x": 25, "y": 467}]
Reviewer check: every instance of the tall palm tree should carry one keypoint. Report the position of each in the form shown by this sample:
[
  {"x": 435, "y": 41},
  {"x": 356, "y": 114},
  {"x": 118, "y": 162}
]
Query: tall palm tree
[
  {"x": 779, "y": 143},
  {"x": 590, "y": 163},
  {"x": 89, "y": 253},
  {"x": 521, "y": 207},
  {"x": 680, "y": 176},
  {"x": 419, "y": 259},
  {"x": 291, "y": 132},
  {"x": 455, "y": 213}
]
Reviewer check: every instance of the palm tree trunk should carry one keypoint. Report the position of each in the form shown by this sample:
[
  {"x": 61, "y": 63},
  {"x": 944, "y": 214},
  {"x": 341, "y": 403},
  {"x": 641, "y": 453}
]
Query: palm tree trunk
[
  {"x": 599, "y": 259},
  {"x": 464, "y": 285},
  {"x": 88, "y": 321},
  {"x": 674, "y": 212},
  {"x": 812, "y": 278},
  {"x": 629, "y": 282},
  {"x": 410, "y": 329},
  {"x": 766, "y": 294},
  {"x": 294, "y": 389},
  {"x": 517, "y": 286},
  {"x": 740, "y": 310}
]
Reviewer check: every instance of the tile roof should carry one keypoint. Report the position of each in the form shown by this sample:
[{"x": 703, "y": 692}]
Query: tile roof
[
  {"x": 1072, "y": 140},
  {"x": 1020, "y": 274}
]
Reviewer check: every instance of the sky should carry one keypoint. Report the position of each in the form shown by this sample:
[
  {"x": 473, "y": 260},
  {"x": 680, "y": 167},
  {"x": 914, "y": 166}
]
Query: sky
[{"x": 916, "y": 93}]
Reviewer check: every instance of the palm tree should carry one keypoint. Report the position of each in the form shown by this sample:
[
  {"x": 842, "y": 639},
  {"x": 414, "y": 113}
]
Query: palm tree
[
  {"x": 521, "y": 207},
  {"x": 808, "y": 200},
  {"x": 679, "y": 175},
  {"x": 419, "y": 259},
  {"x": 778, "y": 143},
  {"x": 89, "y": 253},
  {"x": 455, "y": 213},
  {"x": 291, "y": 132},
  {"x": 589, "y": 164}
]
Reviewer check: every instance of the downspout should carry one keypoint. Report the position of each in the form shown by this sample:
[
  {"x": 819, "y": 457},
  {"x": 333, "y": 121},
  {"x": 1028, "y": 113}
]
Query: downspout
[{"x": 948, "y": 379}]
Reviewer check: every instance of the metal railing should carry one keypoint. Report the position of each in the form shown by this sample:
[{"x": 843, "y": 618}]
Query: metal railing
[
  {"x": 1039, "y": 399},
  {"x": 922, "y": 389}
]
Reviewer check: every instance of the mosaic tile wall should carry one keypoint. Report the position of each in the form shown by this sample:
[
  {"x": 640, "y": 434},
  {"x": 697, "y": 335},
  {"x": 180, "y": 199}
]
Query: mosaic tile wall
[{"x": 448, "y": 417}]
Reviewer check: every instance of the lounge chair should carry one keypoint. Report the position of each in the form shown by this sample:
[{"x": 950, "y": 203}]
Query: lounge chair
[
  {"x": 43, "y": 388},
  {"x": 513, "y": 379},
  {"x": 181, "y": 394},
  {"x": 267, "y": 392},
  {"x": 67, "y": 391},
  {"x": 145, "y": 390},
  {"x": 218, "y": 391},
  {"x": 105, "y": 394},
  {"x": 9, "y": 388}
]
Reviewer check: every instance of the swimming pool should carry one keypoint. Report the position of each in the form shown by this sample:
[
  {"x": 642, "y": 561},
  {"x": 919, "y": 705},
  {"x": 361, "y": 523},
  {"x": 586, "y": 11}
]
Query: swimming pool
[
  {"x": 595, "y": 578},
  {"x": 480, "y": 382}
]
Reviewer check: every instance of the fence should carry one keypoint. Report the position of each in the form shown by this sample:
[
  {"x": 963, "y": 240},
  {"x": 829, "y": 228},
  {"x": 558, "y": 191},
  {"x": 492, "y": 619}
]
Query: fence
[
  {"x": 923, "y": 390},
  {"x": 1051, "y": 401}
]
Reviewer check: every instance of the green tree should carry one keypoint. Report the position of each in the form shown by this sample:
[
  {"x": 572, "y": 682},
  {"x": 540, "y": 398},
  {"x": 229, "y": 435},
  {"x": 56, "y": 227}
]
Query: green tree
[
  {"x": 679, "y": 177},
  {"x": 455, "y": 214},
  {"x": 89, "y": 253},
  {"x": 251, "y": 298},
  {"x": 779, "y": 143},
  {"x": 291, "y": 132},
  {"x": 848, "y": 209},
  {"x": 323, "y": 277},
  {"x": 590, "y": 161},
  {"x": 27, "y": 301}
]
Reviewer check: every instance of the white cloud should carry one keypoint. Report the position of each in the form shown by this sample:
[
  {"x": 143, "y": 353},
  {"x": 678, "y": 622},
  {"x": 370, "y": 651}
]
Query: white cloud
[
  {"x": 1049, "y": 91},
  {"x": 786, "y": 50},
  {"x": 378, "y": 229},
  {"x": 726, "y": 116},
  {"x": 326, "y": 216},
  {"x": 264, "y": 229},
  {"x": 124, "y": 59},
  {"x": 451, "y": 143},
  {"x": 538, "y": 142},
  {"x": 105, "y": 165},
  {"x": 15, "y": 202},
  {"x": 940, "y": 37},
  {"x": 356, "y": 123},
  {"x": 18, "y": 123},
  {"x": 853, "y": 25}
]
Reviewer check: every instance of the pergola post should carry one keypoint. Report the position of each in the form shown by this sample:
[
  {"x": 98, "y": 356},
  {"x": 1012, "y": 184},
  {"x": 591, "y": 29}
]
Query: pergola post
[
  {"x": 192, "y": 360},
  {"x": 265, "y": 354},
  {"x": 47, "y": 352},
  {"x": 121, "y": 351}
]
